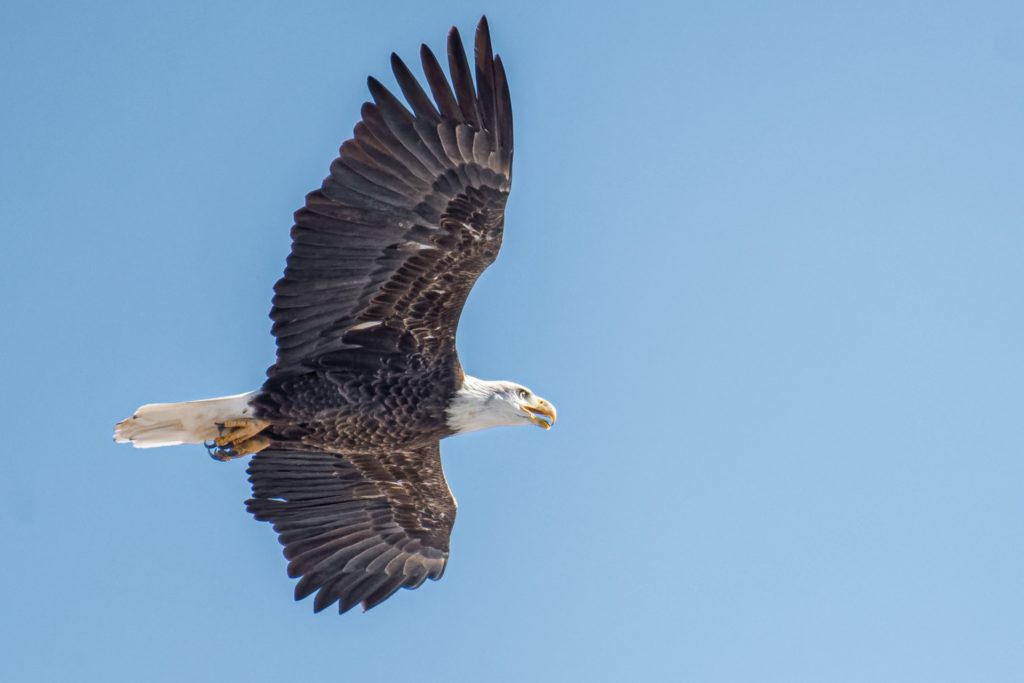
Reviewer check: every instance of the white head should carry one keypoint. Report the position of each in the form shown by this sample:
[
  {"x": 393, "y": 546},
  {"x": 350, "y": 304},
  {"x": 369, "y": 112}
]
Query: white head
[{"x": 482, "y": 404}]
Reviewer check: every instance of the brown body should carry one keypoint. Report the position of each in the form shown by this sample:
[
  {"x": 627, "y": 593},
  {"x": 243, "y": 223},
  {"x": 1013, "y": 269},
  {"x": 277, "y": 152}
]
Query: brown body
[{"x": 359, "y": 411}]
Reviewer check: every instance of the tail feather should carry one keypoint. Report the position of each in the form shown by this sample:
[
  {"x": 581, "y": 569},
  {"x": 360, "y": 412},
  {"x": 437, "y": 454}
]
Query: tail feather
[{"x": 169, "y": 424}]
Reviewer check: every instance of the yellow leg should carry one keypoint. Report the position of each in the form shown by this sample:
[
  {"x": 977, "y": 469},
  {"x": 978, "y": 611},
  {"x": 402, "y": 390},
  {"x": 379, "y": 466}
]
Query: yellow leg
[
  {"x": 238, "y": 438},
  {"x": 250, "y": 446},
  {"x": 236, "y": 431}
]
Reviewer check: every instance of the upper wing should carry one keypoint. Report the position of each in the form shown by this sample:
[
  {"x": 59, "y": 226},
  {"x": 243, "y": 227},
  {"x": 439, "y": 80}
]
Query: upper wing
[
  {"x": 385, "y": 252},
  {"x": 355, "y": 528}
]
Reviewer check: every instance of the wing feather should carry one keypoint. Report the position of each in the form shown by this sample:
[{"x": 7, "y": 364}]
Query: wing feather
[
  {"x": 401, "y": 125},
  {"x": 355, "y": 528},
  {"x": 458, "y": 65},
  {"x": 485, "y": 76},
  {"x": 413, "y": 91},
  {"x": 410, "y": 215},
  {"x": 439, "y": 87}
]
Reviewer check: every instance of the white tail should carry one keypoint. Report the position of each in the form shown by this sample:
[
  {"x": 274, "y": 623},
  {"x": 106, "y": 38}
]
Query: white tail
[{"x": 169, "y": 424}]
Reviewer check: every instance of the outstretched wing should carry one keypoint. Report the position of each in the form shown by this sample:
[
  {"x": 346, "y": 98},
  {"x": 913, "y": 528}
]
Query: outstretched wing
[
  {"x": 385, "y": 253},
  {"x": 355, "y": 528}
]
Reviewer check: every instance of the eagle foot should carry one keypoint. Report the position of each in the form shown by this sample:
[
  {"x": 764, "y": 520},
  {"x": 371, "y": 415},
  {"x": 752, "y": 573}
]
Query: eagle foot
[
  {"x": 236, "y": 431},
  {"x": 237, "y": 450},
  {"x": 237, "y": 438}
]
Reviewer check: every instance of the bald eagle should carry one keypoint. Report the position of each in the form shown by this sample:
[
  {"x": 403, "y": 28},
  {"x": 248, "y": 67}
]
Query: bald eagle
[{"x": 345, "y": 431}]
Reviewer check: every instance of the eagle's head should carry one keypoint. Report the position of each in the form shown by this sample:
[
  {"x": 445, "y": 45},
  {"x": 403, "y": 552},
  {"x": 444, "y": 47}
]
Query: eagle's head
[{"x": 481, "y": 404}]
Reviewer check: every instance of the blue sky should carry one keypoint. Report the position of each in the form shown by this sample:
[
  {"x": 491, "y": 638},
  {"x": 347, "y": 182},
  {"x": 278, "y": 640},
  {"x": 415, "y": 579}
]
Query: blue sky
[{"x": 764, "y": 257}]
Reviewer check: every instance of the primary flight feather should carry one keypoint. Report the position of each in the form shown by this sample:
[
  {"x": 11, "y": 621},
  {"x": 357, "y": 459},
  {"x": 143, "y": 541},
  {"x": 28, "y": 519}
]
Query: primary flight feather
[{"x": 345, "y": 431}]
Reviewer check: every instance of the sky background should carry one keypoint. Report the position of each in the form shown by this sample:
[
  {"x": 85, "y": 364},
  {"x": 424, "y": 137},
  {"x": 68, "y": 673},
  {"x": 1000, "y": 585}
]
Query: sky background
[{"x": 766, "y": 259}]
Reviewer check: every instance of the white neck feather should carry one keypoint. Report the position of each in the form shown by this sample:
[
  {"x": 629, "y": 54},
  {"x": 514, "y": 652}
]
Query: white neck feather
[{"x": 478, "y": 405}]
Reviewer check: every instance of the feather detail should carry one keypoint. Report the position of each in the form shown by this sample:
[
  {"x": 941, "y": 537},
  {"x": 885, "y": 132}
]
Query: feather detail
[{"x": 170, "y": 424}]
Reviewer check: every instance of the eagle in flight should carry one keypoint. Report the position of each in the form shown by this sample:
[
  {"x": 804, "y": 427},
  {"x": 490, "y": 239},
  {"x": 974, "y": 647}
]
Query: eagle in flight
[{"x": 345, "y": 431}]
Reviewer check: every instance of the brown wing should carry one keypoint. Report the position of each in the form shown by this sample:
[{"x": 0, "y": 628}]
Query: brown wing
[
  {"x": 355, "y": 528},
  {"x": 385, "y": 253}
]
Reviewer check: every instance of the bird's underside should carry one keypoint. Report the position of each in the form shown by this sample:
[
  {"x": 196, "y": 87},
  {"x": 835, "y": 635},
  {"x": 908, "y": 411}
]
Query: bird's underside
[
  {"x": 355, "y": 411},
  {"x": 345, "y": 431}
]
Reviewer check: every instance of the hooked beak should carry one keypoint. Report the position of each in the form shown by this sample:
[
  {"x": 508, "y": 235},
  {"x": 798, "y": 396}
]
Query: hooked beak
[{"x": 541, "y": 413}]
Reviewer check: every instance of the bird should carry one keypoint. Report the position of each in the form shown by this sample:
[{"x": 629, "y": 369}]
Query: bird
[{"x": 344, "y": 434}]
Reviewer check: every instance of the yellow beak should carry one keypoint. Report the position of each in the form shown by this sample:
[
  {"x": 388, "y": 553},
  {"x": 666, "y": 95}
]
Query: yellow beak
[{"x": 541, "y": 413}]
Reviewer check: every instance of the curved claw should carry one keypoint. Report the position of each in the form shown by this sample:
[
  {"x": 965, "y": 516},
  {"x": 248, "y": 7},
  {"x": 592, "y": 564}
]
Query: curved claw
[{"x": 220, "y": 453}]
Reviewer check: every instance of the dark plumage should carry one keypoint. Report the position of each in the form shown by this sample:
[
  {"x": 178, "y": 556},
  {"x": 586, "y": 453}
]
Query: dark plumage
[
  {"x": 395, "y": 238},
  {"x": 356, "y": 528},
  {"x": 367, "y": 381},
  {"x": 411, "y": 214}
]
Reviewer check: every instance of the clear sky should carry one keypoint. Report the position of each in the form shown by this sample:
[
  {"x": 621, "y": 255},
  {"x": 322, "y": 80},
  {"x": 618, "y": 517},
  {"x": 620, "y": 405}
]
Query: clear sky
[{"x": 766, "y": 259}]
